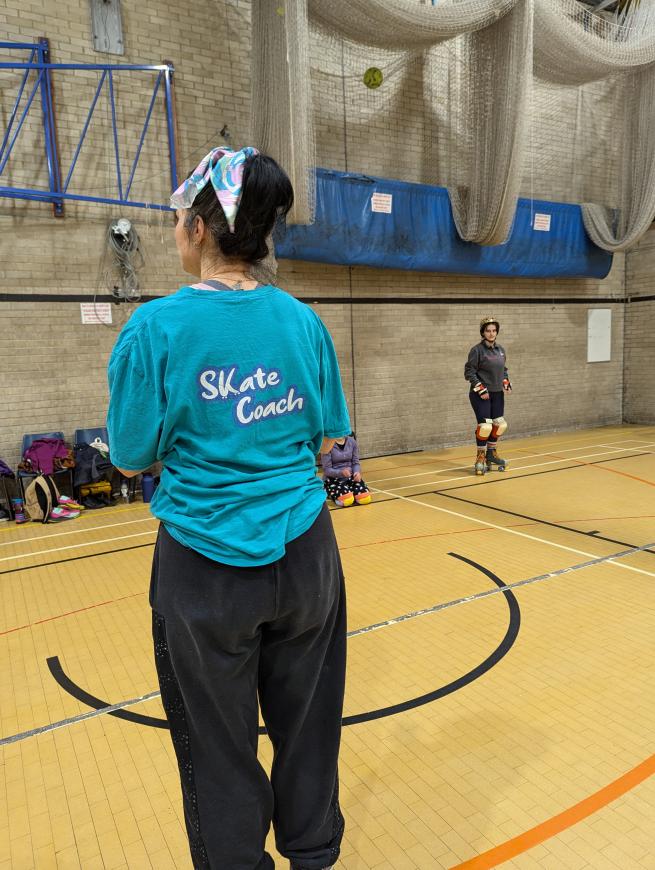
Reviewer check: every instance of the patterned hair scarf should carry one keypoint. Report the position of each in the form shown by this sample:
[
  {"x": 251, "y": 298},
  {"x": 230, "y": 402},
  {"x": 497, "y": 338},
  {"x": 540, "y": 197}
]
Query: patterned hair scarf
[{"x": 224, "y": 168}]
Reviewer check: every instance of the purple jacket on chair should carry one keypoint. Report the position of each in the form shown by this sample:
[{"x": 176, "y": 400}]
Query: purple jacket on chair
[{"x": 41, "y": 454}]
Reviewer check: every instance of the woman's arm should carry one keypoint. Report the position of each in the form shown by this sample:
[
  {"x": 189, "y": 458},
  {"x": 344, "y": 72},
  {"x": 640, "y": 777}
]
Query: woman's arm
[
  {"x": 126, "y": 473},
  {"x": 326, "y": 461},
  {"x": 471, "y": 366},
  {"x": 356, "y": 467},
  {"x": 327, "y": 445}
]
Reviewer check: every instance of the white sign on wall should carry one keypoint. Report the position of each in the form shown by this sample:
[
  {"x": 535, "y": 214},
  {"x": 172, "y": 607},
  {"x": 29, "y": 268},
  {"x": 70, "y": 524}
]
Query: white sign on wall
[
  {"x": 541, "y": 222},
  {"x": 381, "y": 202},
  {"x": 599, "y": 335},
  {"x": 95, "y": 312}
]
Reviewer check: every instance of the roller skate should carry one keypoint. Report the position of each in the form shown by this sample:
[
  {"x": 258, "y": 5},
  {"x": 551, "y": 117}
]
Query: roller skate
[
  {"x": 480, "y": 463},
  {"x": 494, "y": 459}
]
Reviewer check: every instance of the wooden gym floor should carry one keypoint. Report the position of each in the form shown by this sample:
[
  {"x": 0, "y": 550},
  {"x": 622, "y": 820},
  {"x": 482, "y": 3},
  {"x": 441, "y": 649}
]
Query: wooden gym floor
[{"x": 500, "y": 698}]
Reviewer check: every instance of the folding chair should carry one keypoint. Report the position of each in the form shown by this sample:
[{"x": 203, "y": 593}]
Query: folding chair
[{"x": 87, "y": 436}]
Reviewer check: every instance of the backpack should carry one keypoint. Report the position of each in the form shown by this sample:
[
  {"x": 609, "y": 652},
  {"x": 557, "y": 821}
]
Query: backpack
[{"x": 41, "y": 496}]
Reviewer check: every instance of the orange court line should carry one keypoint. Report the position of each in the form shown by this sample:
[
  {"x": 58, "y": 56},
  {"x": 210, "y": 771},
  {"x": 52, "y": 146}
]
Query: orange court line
[{"x": 516, "y": 846}]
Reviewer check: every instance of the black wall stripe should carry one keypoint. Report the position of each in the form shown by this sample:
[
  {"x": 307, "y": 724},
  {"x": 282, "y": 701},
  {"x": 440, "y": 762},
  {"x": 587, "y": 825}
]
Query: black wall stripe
[{"x": 365, "y": 300}]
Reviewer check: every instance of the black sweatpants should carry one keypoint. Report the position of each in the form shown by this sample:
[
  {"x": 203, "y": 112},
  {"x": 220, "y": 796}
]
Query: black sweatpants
[{"x": 224, "y": 635}]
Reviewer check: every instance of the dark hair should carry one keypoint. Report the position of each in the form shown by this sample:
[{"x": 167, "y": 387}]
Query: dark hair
[{"x": 266, "y": 195}]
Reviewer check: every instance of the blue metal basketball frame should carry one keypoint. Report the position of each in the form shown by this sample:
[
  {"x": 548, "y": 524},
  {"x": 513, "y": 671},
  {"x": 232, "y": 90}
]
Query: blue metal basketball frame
[{"x": 58, "y": 191}]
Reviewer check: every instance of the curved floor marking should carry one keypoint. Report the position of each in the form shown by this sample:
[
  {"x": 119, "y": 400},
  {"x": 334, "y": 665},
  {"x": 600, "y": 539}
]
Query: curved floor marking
[
  {"x": 501, "y": 650},
  {"x": 555, "y": 825},
  {"x": 499, "y": 653},
  {"x": 54, "y": 665}
]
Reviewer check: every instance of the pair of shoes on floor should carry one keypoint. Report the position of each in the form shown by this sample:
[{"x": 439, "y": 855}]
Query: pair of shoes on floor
[
  {"x": 70, "y": 503},
  {"x": 348, "y": 499},
  {"x": 63, "y": 513},
  {"x": 93, "y": 502}
]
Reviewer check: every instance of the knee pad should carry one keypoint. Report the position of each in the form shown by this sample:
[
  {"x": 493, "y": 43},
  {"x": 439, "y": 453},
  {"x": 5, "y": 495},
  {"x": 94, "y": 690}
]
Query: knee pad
[
  {"x": 484, "y": 429},
  {"x": 500, "y": 426}
]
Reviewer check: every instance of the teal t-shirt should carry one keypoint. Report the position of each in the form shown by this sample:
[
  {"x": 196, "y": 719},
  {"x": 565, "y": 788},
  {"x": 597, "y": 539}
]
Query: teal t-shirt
[{"x": 233, "y": 391}]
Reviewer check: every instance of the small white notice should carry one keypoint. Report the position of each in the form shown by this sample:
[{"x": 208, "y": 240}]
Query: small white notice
[
  {"x": 381, "y": 202},
  {"x": 599, "y": 335},
  {"x": 541, "y": 222},
  {"x": 96, "y": 312}
]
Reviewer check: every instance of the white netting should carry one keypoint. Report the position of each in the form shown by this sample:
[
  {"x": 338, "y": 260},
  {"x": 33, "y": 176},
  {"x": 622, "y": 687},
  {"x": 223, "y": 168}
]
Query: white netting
[
  {"x": 574, "y": 47},
  {"x": 283, "y": 125},
  {"x": 490, "y": 98}
]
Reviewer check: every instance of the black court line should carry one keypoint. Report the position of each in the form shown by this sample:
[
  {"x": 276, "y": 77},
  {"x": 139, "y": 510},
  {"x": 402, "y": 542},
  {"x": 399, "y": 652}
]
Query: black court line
[
  {"x": 503, "y": 477},
  {"x": 561, "y": 526},
  {"x": 77, "y": 558},
  {"x": 475, "y": 673},
  {"x": 390, "y": 498},
  {"x": 496, "y": 656},
  {"x": 55, "y": 668}
]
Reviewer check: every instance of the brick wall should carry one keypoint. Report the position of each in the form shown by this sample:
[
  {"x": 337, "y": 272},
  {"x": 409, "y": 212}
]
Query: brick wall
[{"x": 402, "y": 364}]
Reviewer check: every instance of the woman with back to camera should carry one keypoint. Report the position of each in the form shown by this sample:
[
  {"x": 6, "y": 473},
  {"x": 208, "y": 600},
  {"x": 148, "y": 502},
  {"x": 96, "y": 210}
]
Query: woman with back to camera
[
  {"x": 234, "y": 386},
  {"x": 486, "y": 372}
]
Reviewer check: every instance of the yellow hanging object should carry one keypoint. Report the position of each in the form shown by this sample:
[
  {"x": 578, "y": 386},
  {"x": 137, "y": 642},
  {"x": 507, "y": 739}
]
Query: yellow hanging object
[{"x": 373, "y": 77}]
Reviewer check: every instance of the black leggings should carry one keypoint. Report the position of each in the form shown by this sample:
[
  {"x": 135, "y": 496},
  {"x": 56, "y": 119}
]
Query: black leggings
[
  {"x": 225, "y": 636},
  {"x": 487, "y": 409},
  {"x": 336, "y": 486}
]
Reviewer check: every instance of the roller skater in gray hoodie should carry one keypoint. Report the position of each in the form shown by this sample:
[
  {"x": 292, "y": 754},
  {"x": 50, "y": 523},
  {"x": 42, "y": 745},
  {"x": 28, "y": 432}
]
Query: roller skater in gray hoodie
[{"x": 486, "y": 371}]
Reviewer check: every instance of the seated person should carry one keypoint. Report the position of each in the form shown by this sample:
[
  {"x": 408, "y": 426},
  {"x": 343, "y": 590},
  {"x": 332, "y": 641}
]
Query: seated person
[{"x": 342, "y": 474}]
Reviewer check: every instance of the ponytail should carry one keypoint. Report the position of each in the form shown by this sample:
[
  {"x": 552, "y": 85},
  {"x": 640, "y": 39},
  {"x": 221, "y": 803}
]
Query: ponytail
[{"x": 266, "y": 196}]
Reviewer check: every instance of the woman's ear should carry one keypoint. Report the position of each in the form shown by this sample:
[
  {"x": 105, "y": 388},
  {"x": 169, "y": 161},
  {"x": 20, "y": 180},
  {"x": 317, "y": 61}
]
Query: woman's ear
[{"x": 198, "y": 231}]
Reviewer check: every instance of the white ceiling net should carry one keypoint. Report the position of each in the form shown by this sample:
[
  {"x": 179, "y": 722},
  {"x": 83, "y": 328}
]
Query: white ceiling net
[{"x": 491, "y": 98}]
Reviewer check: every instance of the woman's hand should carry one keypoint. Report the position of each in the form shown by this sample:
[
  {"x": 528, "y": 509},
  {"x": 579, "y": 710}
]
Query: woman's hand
[
  {"x": 346, "y": 472},
  {"x": 357, "y": 476}
]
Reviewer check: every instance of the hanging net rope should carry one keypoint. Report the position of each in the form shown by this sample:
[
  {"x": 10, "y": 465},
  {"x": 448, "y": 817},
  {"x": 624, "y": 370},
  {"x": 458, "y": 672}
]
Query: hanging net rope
[{"x": 491, "y": 98}]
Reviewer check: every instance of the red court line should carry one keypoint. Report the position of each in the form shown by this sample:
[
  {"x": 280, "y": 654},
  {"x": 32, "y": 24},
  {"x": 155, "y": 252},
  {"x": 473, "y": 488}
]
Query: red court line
[
  {"x": 605, "y": 468},
  {"x": 434, "y": 535},
  {"x": 351, "y": 547},
  {"x": 70, "y": 613},
  {"x": 555, "y": 825}
]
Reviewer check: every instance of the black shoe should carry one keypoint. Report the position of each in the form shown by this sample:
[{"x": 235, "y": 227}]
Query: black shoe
[{"x": 4, "y": 515}]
